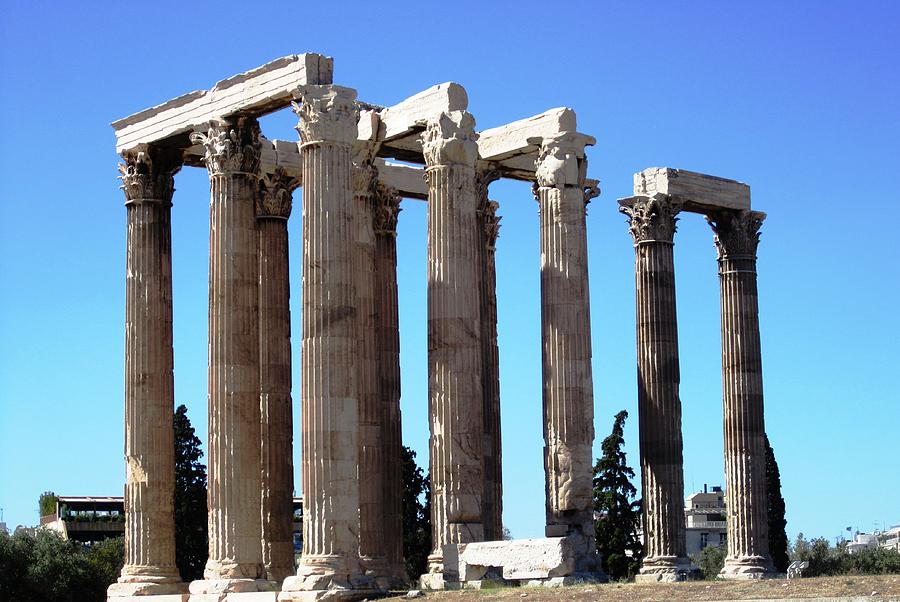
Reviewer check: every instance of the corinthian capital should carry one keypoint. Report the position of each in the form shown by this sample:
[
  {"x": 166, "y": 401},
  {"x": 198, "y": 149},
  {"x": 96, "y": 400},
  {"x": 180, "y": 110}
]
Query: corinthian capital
[
  {"x": 387, "y": 208},
  {"x": 450, "y": 139},
  {"x": 561, "y": 161},
  {"x": 327, "y": 114},
  {"x": 148, "y": 174},
  {"x": 483, "y": 178},
  {"x": 490, "y": 221},
  {"x": 737, "y": 232},
  {"x": 232, "y": 146},
  {"x": 274, "y": 199},
  {"x": 651, "y": 218}
]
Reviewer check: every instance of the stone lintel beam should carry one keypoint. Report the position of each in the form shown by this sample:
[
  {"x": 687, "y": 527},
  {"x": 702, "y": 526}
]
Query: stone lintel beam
[
  {"x": 253, "y": 93},
  {"x": 699, "y": 193}
]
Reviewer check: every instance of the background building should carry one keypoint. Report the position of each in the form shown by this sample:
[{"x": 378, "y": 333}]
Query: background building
[{"x": 704, "y": 516}]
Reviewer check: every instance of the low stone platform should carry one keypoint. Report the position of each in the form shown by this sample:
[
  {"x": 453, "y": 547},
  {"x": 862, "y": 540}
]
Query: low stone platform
[{"x": 547, "y": 561}]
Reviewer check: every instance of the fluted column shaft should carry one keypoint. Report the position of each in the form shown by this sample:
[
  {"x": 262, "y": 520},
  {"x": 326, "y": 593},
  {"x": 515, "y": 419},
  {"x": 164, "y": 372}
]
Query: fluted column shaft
[
  {"x": 387, "y": 328},
  {"x": 371, "y": 407},
  {"x": 568, "y": 397},
  {"x": 329, "y": 399},
  {"x": 489, "y": 222},
  {"x": 652, "y": 226},
  {"x": 235, "y": 554},
  {"x": 276, "y": 415},
  {"x": 149, "y": 385},
  {"x": 454, "y": 334},
  {"x": 737, "y": 238}
]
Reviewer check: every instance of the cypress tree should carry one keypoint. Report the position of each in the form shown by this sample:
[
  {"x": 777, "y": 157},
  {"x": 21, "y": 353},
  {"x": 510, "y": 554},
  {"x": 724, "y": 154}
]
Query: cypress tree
[
  {"x": 191, "y": 543},
  {"x": 616, "y": 511},
  {"x": 778, "y": 542}
]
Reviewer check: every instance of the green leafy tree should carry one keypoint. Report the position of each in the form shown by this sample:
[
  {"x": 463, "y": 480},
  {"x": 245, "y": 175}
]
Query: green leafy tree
[
  {"x": 48, "y": 568},
  {"x": 615, "y": 506},
  {"x": 47, "y": 503},
  {"x": 711, "y": 559},
  {"x": 191, "y": 542},
  {"x": 778, "y": 541},
  {"x": 416, "y": 516}
]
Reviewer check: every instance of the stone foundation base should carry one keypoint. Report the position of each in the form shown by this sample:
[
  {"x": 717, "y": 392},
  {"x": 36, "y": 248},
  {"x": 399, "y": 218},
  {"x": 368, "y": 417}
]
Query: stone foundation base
[
  {"x": 232, "y": 597},
  {"x": 118, "y": 591},
  {"x": 217, "y": 587},
  {"x": 745, "y": 568},
  {"x": 663, "y": 569},
  {"x": 152, "y": 598}
]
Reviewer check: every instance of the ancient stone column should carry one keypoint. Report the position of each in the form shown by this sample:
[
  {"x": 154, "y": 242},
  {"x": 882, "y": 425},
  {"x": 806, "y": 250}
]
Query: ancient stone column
[
  {"x": 652, "y": 226},
  {"x": 455, "y": 399},
  {"x": 276, "y": 416},
  {"x": 235, "y": 554},
  {"x": 387, "y": 329},
  {"x": 148, "y": 182},
  {"x": 329, "y": 406},
  {"x": 568, "y": 394},
  {"x": 492, "y": 503},
  {"x": 737, "y": 238},
  {"x": 371, "y": 407}
]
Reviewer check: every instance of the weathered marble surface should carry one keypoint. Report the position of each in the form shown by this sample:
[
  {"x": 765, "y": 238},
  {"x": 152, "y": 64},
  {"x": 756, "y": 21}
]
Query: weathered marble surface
[
  {"x": 329, "y": 389},
  {"x": 454, "y": 334},
  {"x": 254, "y": 93},
  {"x": 489, "y": 227},
  {"x": 652, "y": 226},
  {"x": 737, "y": 239},
  {"x": 235, "y": 527},
  {"x": 697, "y": 192},
  {"x": 273, "y": 209},
  {"x": 568, "y": 397},
  {"x": 148, "y": 182}
]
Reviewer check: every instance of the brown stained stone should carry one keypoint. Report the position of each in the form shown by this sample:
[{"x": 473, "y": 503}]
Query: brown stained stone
[
  {"x": 371, "y": 437},
  {"x": 235, "y": 554},
  {"x": 737, "y": 238},
  {"x": 652, "y": 226},
  {"x": 568, "y": 398},
  {"x": 276, "y": 415},
  {"x": 387, "y": 207},
  {"x": 489, "y": 221},
  {"x": 149, "y": 567},
  {"x": 454, "y": 334},
  {"x": 329, "y": 398}
]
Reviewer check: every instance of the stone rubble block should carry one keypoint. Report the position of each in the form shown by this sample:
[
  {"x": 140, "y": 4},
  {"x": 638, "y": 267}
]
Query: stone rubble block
[{"x": 520, "y": 559}]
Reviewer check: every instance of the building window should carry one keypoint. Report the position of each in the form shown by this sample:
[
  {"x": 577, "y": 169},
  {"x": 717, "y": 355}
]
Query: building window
[{"x": 704, "y": 540}]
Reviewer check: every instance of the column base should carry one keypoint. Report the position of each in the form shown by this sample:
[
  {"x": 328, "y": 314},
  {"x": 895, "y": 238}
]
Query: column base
[
  {"x": 663, "y": 569},
  {"x": 147, "y": 581},
  {"x": 747, "y": 567},
  {"x": 327, "y": 578},
  {"x": 229, "y": 586}
]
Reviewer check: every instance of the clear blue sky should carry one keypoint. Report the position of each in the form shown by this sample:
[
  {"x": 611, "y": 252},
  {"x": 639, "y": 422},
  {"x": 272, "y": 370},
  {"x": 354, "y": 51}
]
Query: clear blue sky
[{"x": 798, "y": 99}]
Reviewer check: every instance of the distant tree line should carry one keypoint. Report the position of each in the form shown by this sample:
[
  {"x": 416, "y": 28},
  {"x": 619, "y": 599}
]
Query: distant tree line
[{"x": 825, "y": 559}]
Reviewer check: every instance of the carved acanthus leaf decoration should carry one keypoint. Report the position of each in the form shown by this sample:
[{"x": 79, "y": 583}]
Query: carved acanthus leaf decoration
[
  {"x": 232, "y": 146},
  {"x": 651, "y": 218},
  {"x": 450, "y": 140},
  {"x": 490, "y": 221},
  {"x": 483, "y": 180},
  {"x": 275, "y": 198},
  {"x": 149, "y": 175},
  {"x": 737, "y": 232},
  {"x": 327, "y": 114},
  {"x": 386, "y": 209}
]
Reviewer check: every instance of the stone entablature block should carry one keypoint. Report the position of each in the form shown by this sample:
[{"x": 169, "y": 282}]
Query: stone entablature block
[{"x": 700, "y": 192}]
